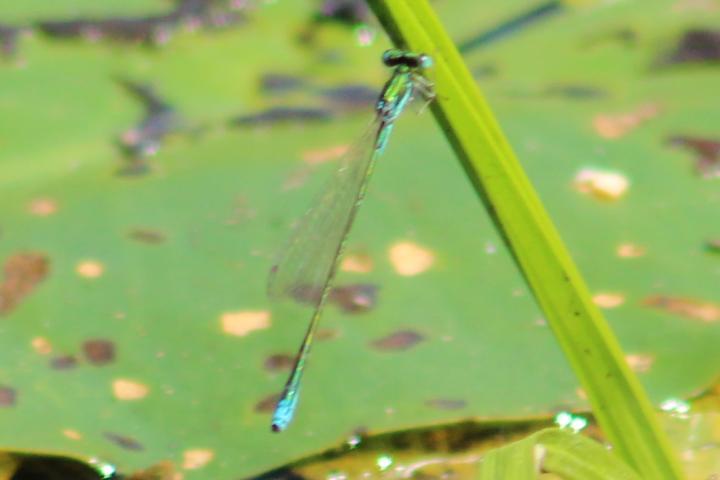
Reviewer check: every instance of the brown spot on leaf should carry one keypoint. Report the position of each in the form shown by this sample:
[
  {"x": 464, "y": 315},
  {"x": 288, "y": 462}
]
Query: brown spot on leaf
[
  {"x": 697, "y": 46},
  {"x": 613, "y": 126},
  {"x": 43, "y": 207},
  {"x": 7, "y": 396},
  {"x": 686, "y": 307},
  {"x": 21, "y": 274},
  {"x": 125, "y": 389},
  {"x": 640, "y": 363},
  {"x": 314, "y": 157},
  {"x": 630, "y": 250},
  {"x": 196, "y": 458},
  {"x": 164, "y": 470},
  {"x": 355, "y": 298},
  {"x": 41, "y": 345},
  {"x": 243, "y": 322},
  {"x": 446, "y": 403},
  {"x": 99, "y": 351},
  {"x": 409, "y": 259},
  {"x": 90, "y": 269},
  {"x": 327, "y": 334},
  {"x": 122, "y": 441},
  {"x": 357, "y": 263},
  {"x": 147, "y": 235},
  {"x": 608, "y": 299},
  {"x": 400, "y": 340},
  {"x": 713, "y": 245},
  {"x": 279, "y": 361},
  {"x": 63, "y": 362},
  {"x": 72, "y": 434},
  {"x": 601, "y": 184},
  {"x": 707, "y": 153},
  {"x": 268, "y": 403}
]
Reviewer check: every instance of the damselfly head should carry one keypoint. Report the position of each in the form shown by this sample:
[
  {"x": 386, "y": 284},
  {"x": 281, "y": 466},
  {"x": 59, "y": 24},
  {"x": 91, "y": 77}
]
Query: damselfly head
[{"x": 395, "y": 57}]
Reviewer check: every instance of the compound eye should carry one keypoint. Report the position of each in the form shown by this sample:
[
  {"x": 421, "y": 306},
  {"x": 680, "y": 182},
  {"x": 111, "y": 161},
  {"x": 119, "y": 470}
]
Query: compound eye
[
  {"x": 390, "y": 57},
  {"x": 425, "y": 61}
]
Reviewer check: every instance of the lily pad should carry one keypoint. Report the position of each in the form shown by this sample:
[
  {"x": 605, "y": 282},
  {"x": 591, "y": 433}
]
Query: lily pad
[{"x": 141, "y": 347}]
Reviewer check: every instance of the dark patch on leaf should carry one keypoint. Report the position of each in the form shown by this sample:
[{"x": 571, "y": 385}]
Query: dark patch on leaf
[
  {"x": 707, "y": 153},
  {"x": 150, "y": 29},
  {"x": 9, "y": 39},
  {"x": 127, "y": 443},
  {"x": 268, "y": 403},
  {"x": 280, "y": 83},
  {"x": 576, "y": 92},
  {"x": 279, "y": 361},
  {"x": 355, "y": 298},
  {"x": 63, "y": 362},
  {"x": 145, "y": 138},
  {"x": 349, "y": 12},
  {"x": 8, "y": 396},
  {"x": 350, "y": 97},
  {"x": 99, "y": 351},
  {"x": 400, "y": 340},
  {"x": 147, "y": 235},
  {"x": 22, "y": 272},
  {"x": 697, "y": 46},
  {"x": 276, "y": 115}
]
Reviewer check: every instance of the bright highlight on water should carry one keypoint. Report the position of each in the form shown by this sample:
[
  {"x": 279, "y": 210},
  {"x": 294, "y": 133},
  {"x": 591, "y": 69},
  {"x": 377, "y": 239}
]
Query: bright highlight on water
[{"x": 312, "y": 257}]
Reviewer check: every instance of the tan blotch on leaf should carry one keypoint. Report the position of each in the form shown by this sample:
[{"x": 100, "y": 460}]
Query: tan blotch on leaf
[
  {"x": 41, "y": 345},
  {"x": 604, "y": 185},
  {"x": 357, "y": 263},
  {"x": 43, "y": 207},
  {"x": 90, "y": 269},
  {"x": 243, "y": 322},
  {"x": 197, "y": 458},
  {"x": 410, "y": 259},
  {"x": 608, "y": 299},
  {"x": 695, "y": 309},
  {"x": 640, "y": 363},
  {"x": 124, "y": 389},
  {"x": 617, "y": 125},
  {"x": 314, "y": 157},
  {"x": 72, "y": 434},
  {"x": 630, "y": 250}
]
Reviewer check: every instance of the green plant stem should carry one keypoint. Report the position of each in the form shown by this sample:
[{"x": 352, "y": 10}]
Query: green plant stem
[{"x": 618, "y": 401}]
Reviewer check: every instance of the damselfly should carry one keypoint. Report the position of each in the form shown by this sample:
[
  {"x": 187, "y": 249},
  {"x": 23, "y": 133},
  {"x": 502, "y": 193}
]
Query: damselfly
[{"x": 311, "y": 259}]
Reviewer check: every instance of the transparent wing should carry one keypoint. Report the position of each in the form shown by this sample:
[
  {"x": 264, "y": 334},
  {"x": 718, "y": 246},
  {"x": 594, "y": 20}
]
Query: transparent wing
[{"x": 307, "y": 264}]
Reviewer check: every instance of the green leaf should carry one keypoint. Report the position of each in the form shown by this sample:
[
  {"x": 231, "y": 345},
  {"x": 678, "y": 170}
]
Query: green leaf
[
  {"x": 569, "y": 455},
  {"x": 617, "y": 398}
]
